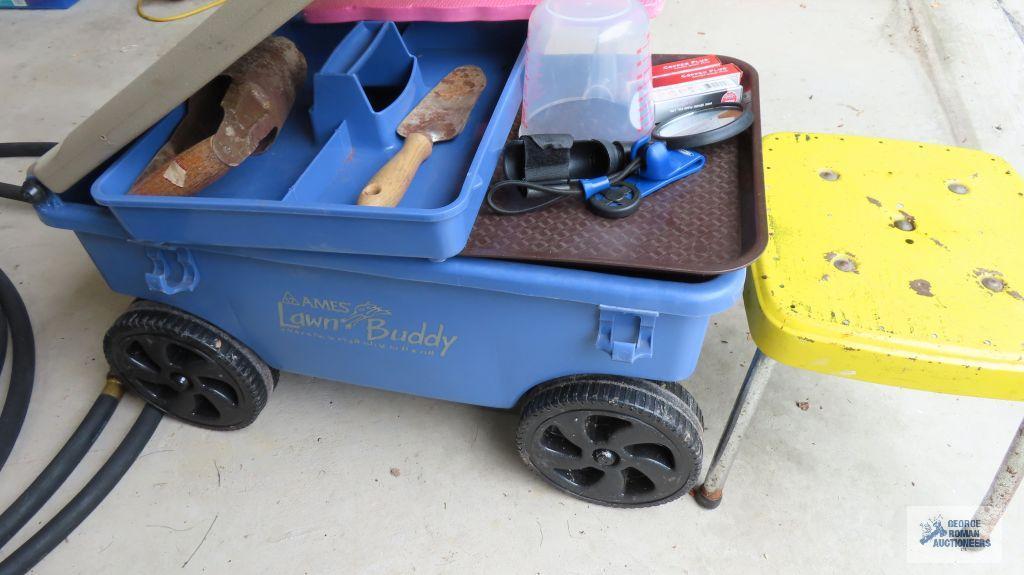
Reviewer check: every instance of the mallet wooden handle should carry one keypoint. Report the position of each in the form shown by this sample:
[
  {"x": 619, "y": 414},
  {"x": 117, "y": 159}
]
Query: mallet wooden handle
[{"x": 389, "y": 184}]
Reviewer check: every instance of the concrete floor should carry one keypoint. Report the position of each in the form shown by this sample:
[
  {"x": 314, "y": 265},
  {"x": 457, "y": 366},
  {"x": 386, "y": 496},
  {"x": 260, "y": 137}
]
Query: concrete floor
[{"x": 308, "y": 488}]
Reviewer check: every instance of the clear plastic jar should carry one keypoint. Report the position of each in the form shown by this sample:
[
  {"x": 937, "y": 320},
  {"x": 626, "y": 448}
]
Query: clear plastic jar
[{"x": 588, "y": 70}]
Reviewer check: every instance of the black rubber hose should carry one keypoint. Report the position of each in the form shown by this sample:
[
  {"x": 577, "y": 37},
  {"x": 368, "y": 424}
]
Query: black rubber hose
[
  {"x": 23, "y": 366},
  {"x": 24, "y": 149},
  {"x": 10, "y": 192},
  {"x": 66, "y": 460},
  {"x": 14, "y": 314},
  {"x": 3, "y": 340},
  {"x": 40, "y": 544},
  {"x": 20, "y": 150}
]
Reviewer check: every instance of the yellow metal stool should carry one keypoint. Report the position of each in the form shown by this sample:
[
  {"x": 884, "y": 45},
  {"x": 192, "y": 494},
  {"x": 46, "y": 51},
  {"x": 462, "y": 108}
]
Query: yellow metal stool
[{"x": 891, "y": 262}]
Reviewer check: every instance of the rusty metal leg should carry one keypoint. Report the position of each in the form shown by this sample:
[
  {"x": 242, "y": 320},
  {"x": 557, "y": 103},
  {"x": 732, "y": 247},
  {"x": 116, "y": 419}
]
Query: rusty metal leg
[
  {"x": 709, "y": 495},
  {"x": 1007, "y": 481}
]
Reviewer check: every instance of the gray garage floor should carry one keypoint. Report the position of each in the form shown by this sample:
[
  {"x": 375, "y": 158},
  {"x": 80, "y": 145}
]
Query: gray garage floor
[{"x": 308, "y": 489}]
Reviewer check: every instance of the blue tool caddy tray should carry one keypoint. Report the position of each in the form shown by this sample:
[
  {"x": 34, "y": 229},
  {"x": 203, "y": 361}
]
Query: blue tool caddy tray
[{"x": 301, "y": 194}]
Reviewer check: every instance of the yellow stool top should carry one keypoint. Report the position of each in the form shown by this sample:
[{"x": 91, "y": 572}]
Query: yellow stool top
[{"x": 892, "y": 262}]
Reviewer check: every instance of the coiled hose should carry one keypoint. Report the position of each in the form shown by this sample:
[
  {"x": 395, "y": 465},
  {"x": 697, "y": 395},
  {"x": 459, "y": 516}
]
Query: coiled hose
[
  {"x": 66, "y": 460},
  {"x": 23, "y": 365},
  {"x": 14, "y": 320},
  {"x": 14, "y": 317},
  {"x": 101, "y": 484}
]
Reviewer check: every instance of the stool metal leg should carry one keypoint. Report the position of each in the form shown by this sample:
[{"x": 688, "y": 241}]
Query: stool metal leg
[
  {"x": 1008, "y": 479},
  {"x": 709, "y": 495}
]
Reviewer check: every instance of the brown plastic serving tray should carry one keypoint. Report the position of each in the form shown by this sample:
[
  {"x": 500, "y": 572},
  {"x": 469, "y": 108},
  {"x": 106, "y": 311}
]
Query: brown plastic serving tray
[{"x": 708, "y": 224}]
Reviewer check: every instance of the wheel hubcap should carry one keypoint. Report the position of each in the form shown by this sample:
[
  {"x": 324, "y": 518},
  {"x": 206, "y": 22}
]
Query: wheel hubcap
[
  {"x": 605, "y": 457},
  {"x": 181, "y": 379},
  {"x": 609, "y": 457},
  {"x": 178, "y": 382}
]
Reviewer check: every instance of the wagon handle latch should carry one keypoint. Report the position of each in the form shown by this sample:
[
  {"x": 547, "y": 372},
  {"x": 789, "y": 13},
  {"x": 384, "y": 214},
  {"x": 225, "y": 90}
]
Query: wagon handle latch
[{"x": 626, "y": 334}]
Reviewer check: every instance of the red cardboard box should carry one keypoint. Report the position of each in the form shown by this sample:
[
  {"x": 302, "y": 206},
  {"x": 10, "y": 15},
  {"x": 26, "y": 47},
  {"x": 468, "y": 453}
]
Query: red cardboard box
[
  {"x": 685, "y": 65},
  {"x": 694, "y": 84},
  {"x": 729, "y": 72}
]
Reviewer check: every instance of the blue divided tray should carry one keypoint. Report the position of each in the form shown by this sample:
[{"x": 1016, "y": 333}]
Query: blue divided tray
[{"x": 301, "y": 193}]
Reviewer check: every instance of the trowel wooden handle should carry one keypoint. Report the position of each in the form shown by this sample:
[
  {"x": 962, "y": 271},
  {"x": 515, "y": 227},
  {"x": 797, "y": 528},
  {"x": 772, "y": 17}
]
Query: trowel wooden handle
[{"x": 388, "y": 185}]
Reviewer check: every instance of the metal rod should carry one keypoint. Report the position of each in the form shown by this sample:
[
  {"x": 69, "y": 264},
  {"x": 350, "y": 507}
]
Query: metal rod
[
  {"x": 1008, "y": 479},
  {"x": 709, "y": 495}
]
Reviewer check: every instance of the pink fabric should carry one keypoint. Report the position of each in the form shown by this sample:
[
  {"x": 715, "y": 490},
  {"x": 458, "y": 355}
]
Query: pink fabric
[{"x": 330, "y": 11}]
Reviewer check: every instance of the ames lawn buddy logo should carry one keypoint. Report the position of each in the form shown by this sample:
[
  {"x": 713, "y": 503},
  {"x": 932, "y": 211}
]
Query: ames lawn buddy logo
[{"x": 363, "y": 324}]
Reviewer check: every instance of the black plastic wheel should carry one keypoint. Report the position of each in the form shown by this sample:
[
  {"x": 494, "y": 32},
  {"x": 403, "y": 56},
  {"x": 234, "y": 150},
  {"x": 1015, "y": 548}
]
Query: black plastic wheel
[
  {"x": 187, "y": 367},
  {"x": 612, "y": 440}
]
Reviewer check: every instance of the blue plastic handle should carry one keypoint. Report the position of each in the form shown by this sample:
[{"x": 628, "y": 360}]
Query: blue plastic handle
[
  {"x": 594, "y": 186},
  {"x": 664, "y": 166}
]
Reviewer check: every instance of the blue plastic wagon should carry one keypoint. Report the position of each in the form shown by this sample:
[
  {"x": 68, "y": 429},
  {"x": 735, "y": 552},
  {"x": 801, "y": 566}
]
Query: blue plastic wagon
[{"x": 275, "y": 269}]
